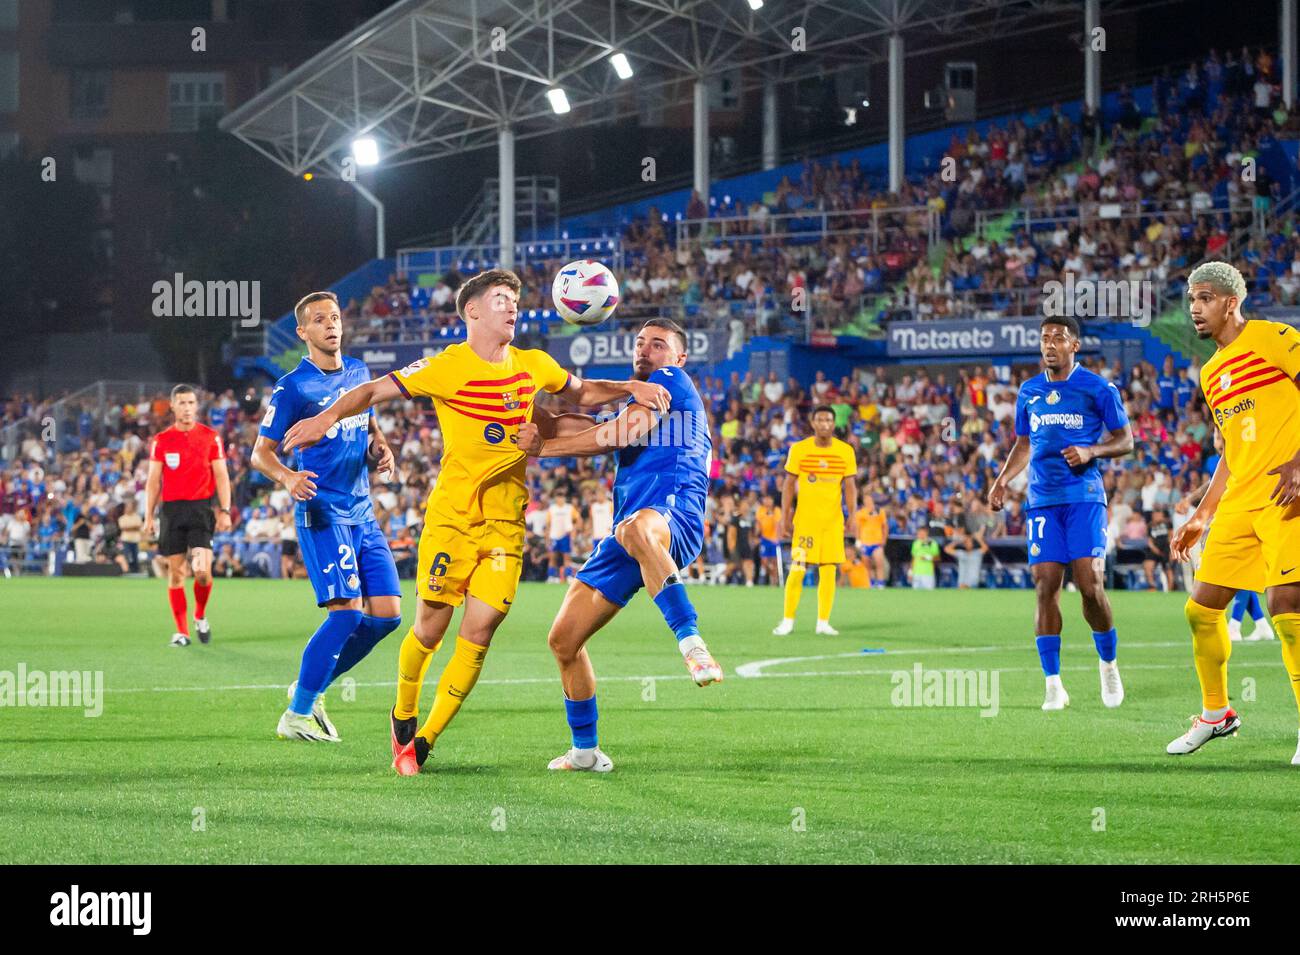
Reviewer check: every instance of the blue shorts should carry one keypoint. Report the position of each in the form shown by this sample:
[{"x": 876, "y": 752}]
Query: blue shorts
[
  {"x": 346, "y": 561},
  {"x": 866, "y": 550},
  {"x": 616, "y": 574},
  {"x": 767, "y": 548},
  {"x": 1062, "y": 533},
  {"x": 561, "y": 545}
]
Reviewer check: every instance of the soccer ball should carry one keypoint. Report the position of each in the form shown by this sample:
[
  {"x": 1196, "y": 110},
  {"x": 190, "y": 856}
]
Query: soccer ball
[{"x": 585, "y": 292}]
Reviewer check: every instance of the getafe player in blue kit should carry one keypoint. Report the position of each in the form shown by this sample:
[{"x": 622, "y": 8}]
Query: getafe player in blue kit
[
  {"x": 1066, "y": 419},
  {"x": 659, "y": 492},
  {"x": 343, "y": 549}
]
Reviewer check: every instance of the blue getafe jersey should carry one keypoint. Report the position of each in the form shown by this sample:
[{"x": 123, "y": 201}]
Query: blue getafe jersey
[
  {"x": 1057, "y": 414},
  {"x": 670, "y": 465},
  {"x": 339, "y": 460}
]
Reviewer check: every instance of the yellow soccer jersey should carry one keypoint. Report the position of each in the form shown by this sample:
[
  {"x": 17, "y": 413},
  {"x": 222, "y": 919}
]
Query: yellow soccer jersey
[
  {"x": 1252, "y": 394},
  {"x": 480, "y": 406},
  {"x": 820, "y": 471}
]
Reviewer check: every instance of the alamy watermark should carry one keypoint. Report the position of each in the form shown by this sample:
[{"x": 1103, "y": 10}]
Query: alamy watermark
[
  {"x": 952, "y": 688},
  {"x": 1130, "y": 300},
  {"x": 674, "y": 429},
  {"x": 75, "y": 688},
  {"x": 129, "y": 909},
  {"x": 178, "y": 298}
]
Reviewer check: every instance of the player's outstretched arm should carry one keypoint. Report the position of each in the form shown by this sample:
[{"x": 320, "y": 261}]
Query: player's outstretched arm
[
  {"x": 630, "y": 426},
  {"x": 549, "y": 424},
  {"x": 297, "y": 483},
  {"x": 1016, "y": 462},
  {"x": 595, "y": 391},
  {"x": 308, "y": 431}
]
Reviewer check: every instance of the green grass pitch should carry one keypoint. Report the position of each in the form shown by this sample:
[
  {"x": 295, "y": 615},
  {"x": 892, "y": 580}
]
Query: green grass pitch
[{"x": 809, "y": 762}]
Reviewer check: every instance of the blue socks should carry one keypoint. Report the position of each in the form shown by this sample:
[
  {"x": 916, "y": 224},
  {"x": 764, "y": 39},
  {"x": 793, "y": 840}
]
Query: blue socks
[
  {"x": 320, "y": 655},
  {"x": 582, "y": 721},
  {"x": 676, "y": 608},
  {"x": 1246, "y": 601},
  {"x": 364, "y": 639},
  {"x": 1106, "y": 644},
  {"x": 1049, "y": 652}
]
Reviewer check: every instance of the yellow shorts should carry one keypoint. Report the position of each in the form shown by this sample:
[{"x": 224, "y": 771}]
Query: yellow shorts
[
  {"x": 483, "y": 560},
  {"x": 1253, "y": 550},
  {"x": 817, "y": 544}
]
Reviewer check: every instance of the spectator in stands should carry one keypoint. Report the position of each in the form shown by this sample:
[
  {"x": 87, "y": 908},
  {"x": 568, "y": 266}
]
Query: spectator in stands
[
  {"x": 129, "y": 525},
  {"x": 228, "y": 563},
  {"x": 968, "y": 551}
]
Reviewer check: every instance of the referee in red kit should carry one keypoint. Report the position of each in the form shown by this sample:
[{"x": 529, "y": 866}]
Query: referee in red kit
[{"x": 187, "y": 464}]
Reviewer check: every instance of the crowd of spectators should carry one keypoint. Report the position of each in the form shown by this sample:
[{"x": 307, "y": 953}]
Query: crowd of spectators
[
  {"x": 928, "y": 442},
  {"x": 1158, "y": 192}
]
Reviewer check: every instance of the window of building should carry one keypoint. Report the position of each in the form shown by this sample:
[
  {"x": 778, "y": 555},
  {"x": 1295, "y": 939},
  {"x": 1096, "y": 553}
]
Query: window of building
[
  {"x": 195, "y": 97},
  {"x": 89, "y": 91}
]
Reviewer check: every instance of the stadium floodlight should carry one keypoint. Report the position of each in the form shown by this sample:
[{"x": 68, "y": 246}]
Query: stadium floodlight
[
  {"x": 756, "y": 4},
  {"x": 621, "y": 66},
  {"x": 559, "y": 101},
  {"x": 365, "y": 151}
]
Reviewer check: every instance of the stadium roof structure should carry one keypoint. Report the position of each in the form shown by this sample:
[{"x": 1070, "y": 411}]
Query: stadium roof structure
[{"x": 430, "y": 78}]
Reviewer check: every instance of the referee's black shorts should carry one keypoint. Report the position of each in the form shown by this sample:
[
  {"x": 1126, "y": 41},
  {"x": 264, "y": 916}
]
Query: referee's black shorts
[{"x": 186, "y": 524}]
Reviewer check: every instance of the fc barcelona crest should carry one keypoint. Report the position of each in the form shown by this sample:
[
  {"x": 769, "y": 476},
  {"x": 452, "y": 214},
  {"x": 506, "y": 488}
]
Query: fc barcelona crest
[
  {"x": 511, "y": 399},
  {"x": 1225, "y": 381}
]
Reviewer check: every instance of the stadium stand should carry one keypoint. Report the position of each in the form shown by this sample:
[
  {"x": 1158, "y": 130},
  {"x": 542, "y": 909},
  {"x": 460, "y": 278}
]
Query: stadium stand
[{"x": 1036, "y": 197}]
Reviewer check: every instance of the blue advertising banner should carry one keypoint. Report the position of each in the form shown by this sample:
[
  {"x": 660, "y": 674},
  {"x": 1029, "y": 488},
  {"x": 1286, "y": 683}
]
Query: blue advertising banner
[
  {"x": 618, "y": 348},
  {"x": 589, "y": 349},
  {"x": 1004, "y": 336}
]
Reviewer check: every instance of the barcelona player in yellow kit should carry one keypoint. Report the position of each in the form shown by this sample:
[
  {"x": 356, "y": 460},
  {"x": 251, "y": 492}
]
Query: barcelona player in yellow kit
[
  {"x": 871, "y": 530},
  {"x": 768, "y": 519},
  {"x": 471, "y": 545},
  {"x": 820, "y": 469},
  {"x": 1250, "y": 385}
]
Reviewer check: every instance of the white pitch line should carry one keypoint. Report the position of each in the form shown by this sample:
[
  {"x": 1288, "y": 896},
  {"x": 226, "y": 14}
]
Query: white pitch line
[
  {"x": 281, "y": 686},
  {"x": 756, "y": 668},
  {"x": 1081, "y": 668},
  {"x": 745, "y": 670}
]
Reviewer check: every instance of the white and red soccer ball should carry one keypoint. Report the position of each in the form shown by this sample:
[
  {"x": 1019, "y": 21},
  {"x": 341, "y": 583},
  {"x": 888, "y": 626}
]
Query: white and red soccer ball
[{"x": 585, "y": 292}]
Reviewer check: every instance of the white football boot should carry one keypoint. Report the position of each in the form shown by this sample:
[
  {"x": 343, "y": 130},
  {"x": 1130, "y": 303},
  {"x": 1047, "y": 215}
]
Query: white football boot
[
  {"x": 179, "y": 640},
  {"x": 1112, "y": 690},
  {"x": 294, "y": 726},
  {"x": 1234, "y": 630},
  {"x": 825, "y": 629},
  {"x": 1056, "y": 697},
  {"x": 318, "y": 712},
  {"x": 704, "y": 669},
  {"x": 783, "y": 628},
  {"x": 583, "y": 760},
  {"x": 1262, "y": 631},
  {"x": 1202, "y": 732},
  {"x": 1295, "y": 760}
]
